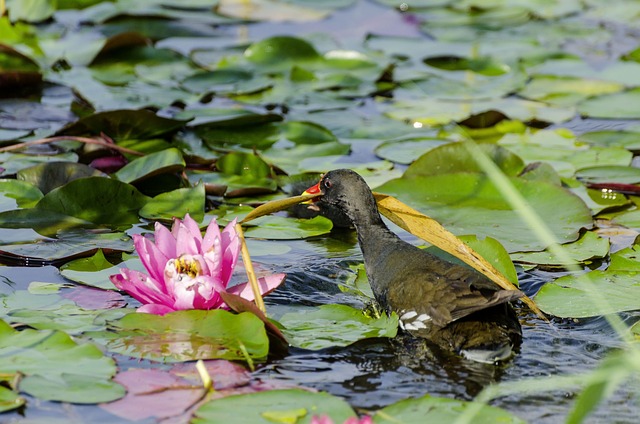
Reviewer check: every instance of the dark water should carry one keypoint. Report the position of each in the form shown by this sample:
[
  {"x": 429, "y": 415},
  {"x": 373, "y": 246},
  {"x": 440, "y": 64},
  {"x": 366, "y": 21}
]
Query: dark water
[{"x": 375, "y": 373}]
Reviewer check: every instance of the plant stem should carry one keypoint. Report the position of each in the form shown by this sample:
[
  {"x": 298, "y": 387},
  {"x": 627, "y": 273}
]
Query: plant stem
[{"x": 248, "y": 265}]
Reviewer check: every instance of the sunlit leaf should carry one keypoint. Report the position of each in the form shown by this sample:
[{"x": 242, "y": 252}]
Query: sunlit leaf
[
  {"x": 10, "y": 400},
  {"x": 162, "y": 162},
  {"x": 269, "y": 10},
  {"x": 187, "y": 335},
  {"x": 592, "y": 294},
  {"x": 176, "y": 203},
  {"x": 14, "y": 193}
]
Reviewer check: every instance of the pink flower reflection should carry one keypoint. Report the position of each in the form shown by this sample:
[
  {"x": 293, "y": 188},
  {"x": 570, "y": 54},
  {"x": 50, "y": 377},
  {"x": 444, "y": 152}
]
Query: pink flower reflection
[{"x": 187, "y": 270}]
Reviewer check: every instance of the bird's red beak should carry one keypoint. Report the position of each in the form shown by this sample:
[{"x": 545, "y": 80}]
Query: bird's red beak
[{"x": 315, "y": 190}]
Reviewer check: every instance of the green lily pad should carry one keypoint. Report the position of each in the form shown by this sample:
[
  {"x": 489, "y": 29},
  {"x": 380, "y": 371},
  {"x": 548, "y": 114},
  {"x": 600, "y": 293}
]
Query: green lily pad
[
  {"x": 124, "y": 125},
  {"x": 624, "y": 105},
  {"x": 609, "y": 174},
  {"x": 455, "y": 157},
  {"x": 630, "y": 140},
  {"x": 176, "y": 203},
  {"x": 280, "y": 228},
  {"x": 279, "y": 406},
  {"x": 592, "y": 294},
  {"x": 433, "y": 112},
  {"x": 441, "y": 410},
  {"x": 281, "y": 52},
  {"x": 94, "y": 271},
  {"x": 627, "y": 259},
  {"x": 10, "y": 400},
  {"x": 95, "y": 199},
  {"x": 162, "y": 162},
  {"x": 56, "y": 367},
  {"x": 562, "y": 151},
  {"x": 187, "y": 336},
  {"x": 407, "y": 149},
  {"x": 586, "y": 248},
  {"x": 47, "y": 176},
  {"x": 68, "y": 246},
  {"x": 334, "y": 325},
  {"x": 18, "y": 194},
  {"x": 270, "y": 10},
  {"x": 471, "y": 204},
  {"x": 47, "y": 223},
  {"x": 567, "y": 90}
]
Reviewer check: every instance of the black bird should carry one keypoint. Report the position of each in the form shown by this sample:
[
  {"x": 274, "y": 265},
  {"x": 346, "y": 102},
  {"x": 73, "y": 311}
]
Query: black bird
[{"x": 453, "y": 306}]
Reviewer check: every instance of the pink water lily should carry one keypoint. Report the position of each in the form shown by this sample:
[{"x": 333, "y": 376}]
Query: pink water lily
[{"x": 187, "y": 270}]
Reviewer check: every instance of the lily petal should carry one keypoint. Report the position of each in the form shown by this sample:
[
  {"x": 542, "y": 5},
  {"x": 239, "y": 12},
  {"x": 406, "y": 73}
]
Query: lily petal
[
  {"x": 154, "y": 308},
  {"x": 186, "y": 242},
  {"x": 152, "y": 258},
  {"x": 194, "y": 229},
  {"x": 231, "y": 245},
  {"x": 139, "y": 286},
  {"x": 165, "y": 241},
  {"x": 266, "y": 284}
]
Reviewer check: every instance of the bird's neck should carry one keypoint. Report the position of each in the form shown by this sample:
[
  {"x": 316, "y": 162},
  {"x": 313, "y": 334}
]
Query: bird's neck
[{"x": 374, "y": 238}]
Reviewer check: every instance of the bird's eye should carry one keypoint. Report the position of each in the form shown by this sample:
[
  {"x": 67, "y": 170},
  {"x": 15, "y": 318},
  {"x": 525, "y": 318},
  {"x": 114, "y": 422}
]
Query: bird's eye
[{"x": 328, "y": 183}]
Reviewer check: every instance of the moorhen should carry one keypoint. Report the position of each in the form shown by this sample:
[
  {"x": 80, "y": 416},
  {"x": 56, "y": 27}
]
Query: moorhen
[{"x": 450, "y": 305}]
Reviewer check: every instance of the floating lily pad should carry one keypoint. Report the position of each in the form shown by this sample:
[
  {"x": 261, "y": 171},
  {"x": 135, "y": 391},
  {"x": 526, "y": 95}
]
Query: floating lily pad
[
  {"x": 279, "y": 228},
  {"x": 68, "y": 246},
  {"x": 609, "y": 174},
  {"x": 10, "y": 400},
  {"x": 94, "y": 271},
  {"x": 280, "y": 406},
  {"x": 124, "y": 125},
  {"x": 162, "y": 162},
  {"x": 589, "y": 246},
  {"x": 270, "y": 10},
  {"x": 406, "y": 150},
  {"x": 592, "y": 294},
  {"x": 624, "y": 105},
  {"x": 628, "y": 139},
  {"x": 176, "y": 203},
  {"x": 50, "y": 175},
  {"x": 47, "y": 223},
  {"x": 187, "y": 335},
  {"x": 56, "y": 367},
  {"x": 334, "y": 325},
  {"x": 281, "y": 51},
  {"x": 96, "y": 199},
  {"x": 470, "y": 204},
  {"x": 14, "y": 193},
  {"x": 437, "y": 409}
]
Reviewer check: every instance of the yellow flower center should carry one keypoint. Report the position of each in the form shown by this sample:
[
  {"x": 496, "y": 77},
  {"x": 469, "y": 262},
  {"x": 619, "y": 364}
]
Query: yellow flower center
[{"x": 187, "y": 265}]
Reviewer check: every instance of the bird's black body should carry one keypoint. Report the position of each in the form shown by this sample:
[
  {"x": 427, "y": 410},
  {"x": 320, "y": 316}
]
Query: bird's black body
[{"x": 450, "y": 305}]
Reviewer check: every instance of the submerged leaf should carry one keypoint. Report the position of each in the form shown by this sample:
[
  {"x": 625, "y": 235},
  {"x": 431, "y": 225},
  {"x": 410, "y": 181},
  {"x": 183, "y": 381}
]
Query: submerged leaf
[{"x": 335, "y": 325}]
